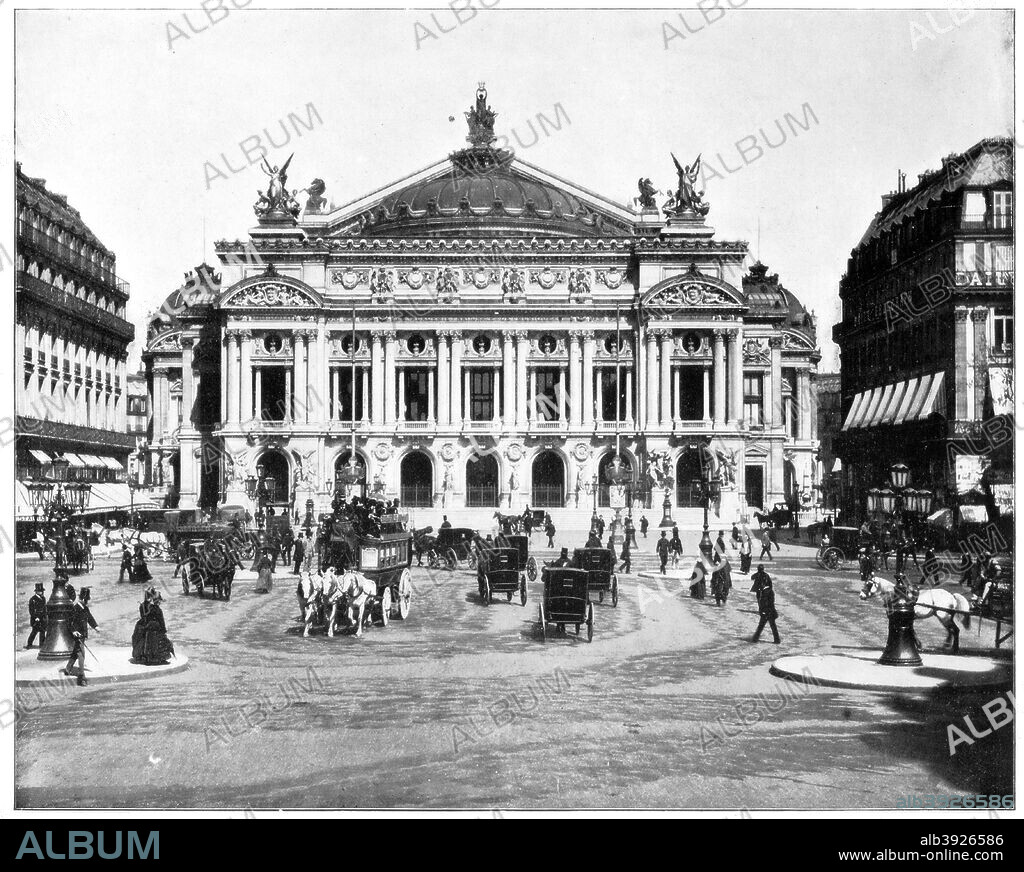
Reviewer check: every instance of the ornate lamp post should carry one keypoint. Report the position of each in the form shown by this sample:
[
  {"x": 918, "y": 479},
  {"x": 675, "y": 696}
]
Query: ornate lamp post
[
  {"x": 616, "y": 474},
  {"x": 58, "y": 500},
  {"x": 351, "y": 475},
  {"x": 592, "y": 488},
  {"x": 901, "y": 645},
  {"x": 709, "y": 490},
  {"x": 252, "y": 484}
]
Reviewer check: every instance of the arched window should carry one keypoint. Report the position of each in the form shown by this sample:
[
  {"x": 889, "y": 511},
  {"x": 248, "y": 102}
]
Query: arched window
[
  {"x": 604, "y": 494},
  {"x": 482, "y": 481},
  {"x": 548, "y": 477},
  {"x": 417, "y": 480}
]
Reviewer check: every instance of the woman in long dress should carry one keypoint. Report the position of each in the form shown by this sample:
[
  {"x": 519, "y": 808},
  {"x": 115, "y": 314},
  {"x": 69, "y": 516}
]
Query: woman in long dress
[
  {"x": 150, "y": 645},
  {"x": 140, "y": 571},
  {"x": 265, "y": 568}
]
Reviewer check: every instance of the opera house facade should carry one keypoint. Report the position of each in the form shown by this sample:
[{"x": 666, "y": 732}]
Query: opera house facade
[{"x": 488, "y": 336}]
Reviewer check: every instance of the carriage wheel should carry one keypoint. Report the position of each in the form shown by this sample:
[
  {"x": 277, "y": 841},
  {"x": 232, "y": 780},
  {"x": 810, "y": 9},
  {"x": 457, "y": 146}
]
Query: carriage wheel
[
  {"x": 531, "y": 569},
  {"x": 385, "y": 606},
  {"x": 577, "y": 629},
  {"x": 832, "y": 558},
  {"x": 480, "y": 586},
  {"x": 600, "y": 596},
  {"x": 590, "y": 622},
  {"x": 184, "y": 585},
  {"x": 487, "y": 591},
  {"x": 404, "y": 594},
  {"x": 451, "y": 560},
  {"x": 509, "y": 596},
  {"x": 543, "y": 625},
  {"x": 615, "y": 591},
  {"x": 522, "y": 589}
]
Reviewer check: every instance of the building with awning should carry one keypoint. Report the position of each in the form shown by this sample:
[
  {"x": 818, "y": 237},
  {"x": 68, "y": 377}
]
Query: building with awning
[{"x": 926, "y": 339}]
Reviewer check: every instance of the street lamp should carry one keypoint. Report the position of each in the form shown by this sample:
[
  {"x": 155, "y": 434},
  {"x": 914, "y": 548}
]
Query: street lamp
[
  {"x": 58, "y": 500},
  {"x": 709, "y": 490},
  {"x": 616, "y": 474}
]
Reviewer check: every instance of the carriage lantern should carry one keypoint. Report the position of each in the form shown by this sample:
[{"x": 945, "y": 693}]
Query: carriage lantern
[
  {"x": 59, "y": 467},
  {"x": 886, "y": 501},
  {"x": 250, "y": 486},
  {"x": 873, "y": 499}
]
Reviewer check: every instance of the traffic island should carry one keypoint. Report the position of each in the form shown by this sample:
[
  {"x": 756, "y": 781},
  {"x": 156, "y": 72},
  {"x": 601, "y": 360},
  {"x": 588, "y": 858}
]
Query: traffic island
[
  {"x": 104, "y": 664},
  {"x": 937, "y": 672}
]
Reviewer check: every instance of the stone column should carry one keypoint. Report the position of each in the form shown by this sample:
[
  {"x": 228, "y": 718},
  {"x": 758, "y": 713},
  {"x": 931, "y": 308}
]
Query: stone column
[
  {"x": 677, "y": 390},
  {"x": 467, "y": 411},
  {"x": 627, "y": 379},
  {"x": 187, "y": 384},
  {"x": 652, "y": 379},
  {"x": 377, "y": 375},
  {"x": 317, "y": 393},
  {"x": 532, "y": 405},
  {"x": 979, "y": 318},
  {"x": 335, "y": 394},
  {"x": 666, "y": 377},
  {"x": 456, "y": 379},
  {"x": 390, "y": 354},
  {"x": 508, "y": 373},
  {"x": 776, "y": 410},
  {"x": 575, "y": 385},
  {"x": 402, "y": 411},
  {"x": 245, "y": 372},
  {"x": 431, "y": 402},
  {"x": 735, "y": 343},
  {"x": 707, "y": 394},
  {"x": 231, "y": 387},
  {"x": 364, "y": 374},
  {"x": 300, "y": 346},
  {"x": 496, "y": 381},
  {"x": 443, "y": 380},
  {"x": 258, "y": 405},
  {"x": 718, "y": 359},
  {"x": 159, "y": 410},
  {"x": 964, "y": 403},
  {"x": 804, "y": 412},
  {"x": 522, "y": 353},
  {"x": 588, "y": 380}
]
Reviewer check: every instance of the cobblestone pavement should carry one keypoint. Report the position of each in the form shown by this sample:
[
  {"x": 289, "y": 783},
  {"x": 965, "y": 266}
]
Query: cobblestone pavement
[{"x": 463, "y": 706}]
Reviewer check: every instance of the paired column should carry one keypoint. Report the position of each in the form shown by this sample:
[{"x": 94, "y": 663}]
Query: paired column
[
  {"x": 735, "y": 343},
  {"x": 377, "y": 374},
  {"x": 778, "y": 416},
  {"x": 508, "y": 369},
  {"x": 562, "y": 410},
  {"x": 522, "y": 354},
  {"x": 390, "y": 355},
  {"x": 456, "y": 378},
  {"x": 187, "y": 384},
  {"x": 300, "y": 342},
  {"x": 496, "y": 382},
  {"x": 707, "y": 394},
  {"x": 652, "y": 378},
  {"x": 245, "y": 409},
  {"x": 718, "y": 362},
  {"x": 159, "y": 403},
  {"x": 588, "y": 380},
  {"x": 575, "y": 380},
  {"x": 232, "y": 388},
  {"x": 666, "y": 377},
  {"x": 316, "y": 377},
  {"x": 805, "y": 417},
  {"x": 443, "y": 379}
]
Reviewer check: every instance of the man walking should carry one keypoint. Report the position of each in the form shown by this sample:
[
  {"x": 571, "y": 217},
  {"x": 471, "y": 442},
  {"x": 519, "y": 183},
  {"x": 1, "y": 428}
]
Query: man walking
[
  {"x": 766, "y": 545},
  {"x": 37, "y": 616},
  {"x": 643, "y": 525},
  {"x": 299, "y": 552},
  {"x": 662, "y": 549},
  {"x": 630, "y": 531},
  {"x": 765, "y": 592},
  {"x": 79, "y": 622},
  {"x": 624, "y": 556},
  {"x": 287, "y": 544},
  {"x": 549, "y": 529},
  {"x": 773, "y": 536},
  {"x": 126, "y": 565}
]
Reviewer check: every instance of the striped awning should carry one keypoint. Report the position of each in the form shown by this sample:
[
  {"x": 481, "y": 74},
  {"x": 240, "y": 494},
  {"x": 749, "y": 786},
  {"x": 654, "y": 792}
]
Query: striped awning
[
  {"x": 92, "y": 461},
  {"x": 41, "y": 456},
  {"x": 910, "y": 400},
  {"x": 111, "y": 463},
  {"x": 74, "y": 460}
]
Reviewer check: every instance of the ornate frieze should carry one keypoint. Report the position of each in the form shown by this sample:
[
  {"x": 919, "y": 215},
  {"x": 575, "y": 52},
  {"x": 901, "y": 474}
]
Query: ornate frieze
[
  {"x": 610, "y": 278},
  {"x": 350, "y": 278},
  {"x": 513, "y": 285},
  {"x": 756, "y": 351},
  {"x": 547, "y": 278},
  {"x": 272, "y": 295}
]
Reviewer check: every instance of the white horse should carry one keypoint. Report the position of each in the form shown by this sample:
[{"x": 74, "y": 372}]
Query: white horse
[
  {"x": 355, "y": 590},
  {"x": 937, "y": 603},
  {"x": 310, "y": 596}
]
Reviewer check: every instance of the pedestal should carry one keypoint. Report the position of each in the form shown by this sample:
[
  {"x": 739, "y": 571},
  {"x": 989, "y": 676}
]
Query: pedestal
[
  {"x": 901, "y": 646},
  {"x": 59, "y": 641},
  {"x": 666, "y": 511}
]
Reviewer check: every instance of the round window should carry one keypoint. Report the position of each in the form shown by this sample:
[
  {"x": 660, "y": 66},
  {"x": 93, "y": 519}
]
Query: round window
[
  {"x": 272, "y": 343},
  {"x": 482, "y": 343},
  {"x": 548, "y": 344},
  {"x": 346, "y": 344},
  {"x": 691, "y": 342},
  {"x": 415, "y": 344},
  {"x": 610, "y": 344}
]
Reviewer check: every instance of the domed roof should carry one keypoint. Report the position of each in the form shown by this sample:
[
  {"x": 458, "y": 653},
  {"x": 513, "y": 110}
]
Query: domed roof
[{"x": 484, "y": 191}]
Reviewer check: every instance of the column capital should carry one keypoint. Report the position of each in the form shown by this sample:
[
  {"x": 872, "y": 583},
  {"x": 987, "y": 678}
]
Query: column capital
[
  {"x": 455, "y": 335},
  {"x": 979, "y": 314},
  {"x": 576, "y": 335},
  {"x": 161, "y": 371},
  {"x": 521, "y": 335},
  {"x": 731, "y": 336},
  {"x": 244, "y": 335},
  {"x": 508, "y": 335},
  {"x": 661, "y": 333},
  {"x": 960, "y": 314},
  {"x": 188, "y": 342},
  {"x": 389, "y": 335}
]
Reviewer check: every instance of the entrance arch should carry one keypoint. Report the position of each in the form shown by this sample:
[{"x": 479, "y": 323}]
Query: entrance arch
[
  {"x": 482, "y": 481},
  {"x": 603, "y": 499},
  {"x": 416, "y": 475},
  {"x": 341, "y": 463},
  {"x": 688, "y": 476},
  {"x": 274, "y": 477},
  {"x": 548, "y": 481}
]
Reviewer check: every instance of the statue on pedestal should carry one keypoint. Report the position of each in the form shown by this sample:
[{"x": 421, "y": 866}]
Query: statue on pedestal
[
  {"x": 727, "y": 466},
  {"x": 276, "y": 201},
  {"x": 647, "y": 193},
  {"x": 686, "y": 199}
]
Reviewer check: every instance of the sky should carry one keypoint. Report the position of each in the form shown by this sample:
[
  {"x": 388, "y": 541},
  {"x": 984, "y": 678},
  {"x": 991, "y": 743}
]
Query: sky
[{"x": 143, "y": 130}]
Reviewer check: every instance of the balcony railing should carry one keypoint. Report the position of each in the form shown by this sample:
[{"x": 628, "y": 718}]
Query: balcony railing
[
  {"x": 482, "y": 496},
  {"x": 547, "y": 496},
  {"x": 61, "y": 301},
  {"x": 71, "y": 258},
  {"x": 417, "y": 496}
]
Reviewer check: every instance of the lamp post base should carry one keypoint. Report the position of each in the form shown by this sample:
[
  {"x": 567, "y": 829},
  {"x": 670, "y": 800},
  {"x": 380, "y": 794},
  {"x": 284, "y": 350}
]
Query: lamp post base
[
  {"x": 59, "y": 642},
  {"x": 901, "y": 646},
  {"x": 666, "y": 512}
]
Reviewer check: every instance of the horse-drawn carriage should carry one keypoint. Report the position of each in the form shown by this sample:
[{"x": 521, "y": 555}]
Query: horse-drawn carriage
[
  {"x": 450, "y": 547},
  {"x": 781, "y": 515},
  {"x": 843, "y": 546},
  {"x": 994, "y": 602},
  {"x": 502, "y": 570},
  {"x": 78, "y": 550},
  {"x": 566, "y": 600},
  {"x": 188, "y": 525},
  {"x": 382, "y": 552},
  {"x": 599, "y": 564},
  {"x": 210, "y": 563}
]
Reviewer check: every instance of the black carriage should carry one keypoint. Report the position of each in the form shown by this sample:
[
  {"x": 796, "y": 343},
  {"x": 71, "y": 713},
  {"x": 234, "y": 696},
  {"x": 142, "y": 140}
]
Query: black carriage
[
  {"x": 599, "y": 564},
  {"x": 781, "y": 515},
  {"x": 997, "y": 604},
  {"x": 380, "y": 549},
  {"x": 211, "y": 562},
  {"x": 522, "y": 544},
  {"x": 843, "y": 547},
  {"x": 454, "y": 546},
  {"x": 566, "y": 600},
  {"x": 501, "y": 570},
  {"x": 78, "y": 551}
]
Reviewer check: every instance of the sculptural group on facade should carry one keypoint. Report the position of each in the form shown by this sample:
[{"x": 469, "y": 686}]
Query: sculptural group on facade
[
  {"x": 276, "y": 200},
  {"x": 686, "y": 200}
]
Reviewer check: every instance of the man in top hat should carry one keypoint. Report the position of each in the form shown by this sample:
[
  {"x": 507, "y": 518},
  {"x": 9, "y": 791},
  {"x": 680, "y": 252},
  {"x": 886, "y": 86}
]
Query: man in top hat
[
  {"x": 85, "y": 595},
  {"x": 78, "y": 623},
  {"x": 563, "y": 559},
  {"x": 37, "y": 616},
  {"x": 765, "y": 592}
]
